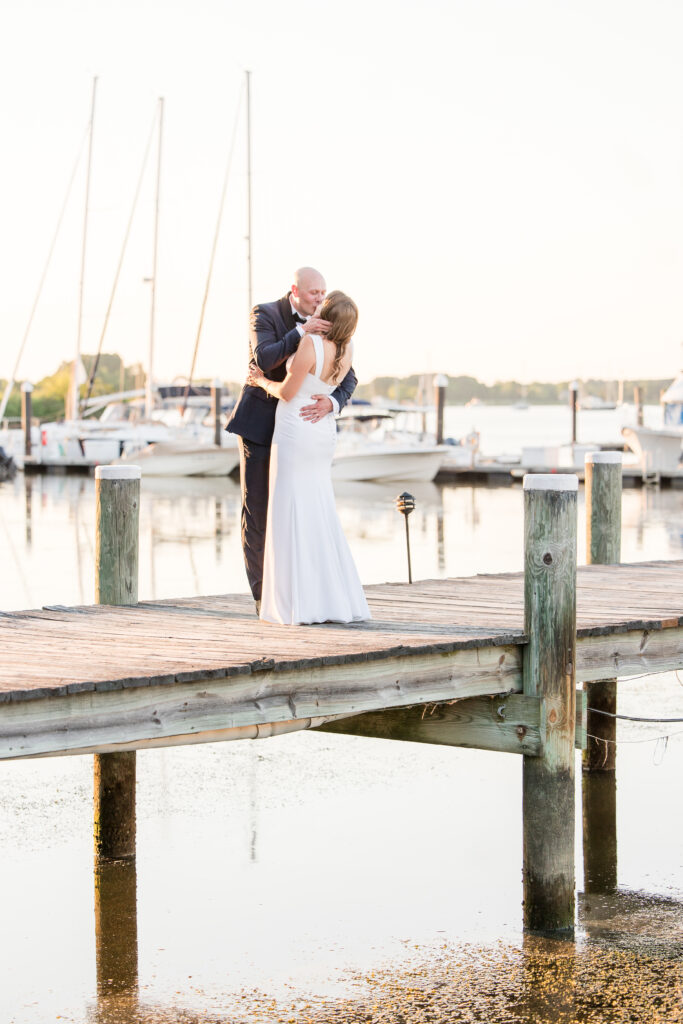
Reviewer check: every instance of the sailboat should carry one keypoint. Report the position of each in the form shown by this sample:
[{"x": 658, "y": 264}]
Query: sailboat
[
  {"x": 82, "y": 442},
  {"x": 185, "y": 456}
]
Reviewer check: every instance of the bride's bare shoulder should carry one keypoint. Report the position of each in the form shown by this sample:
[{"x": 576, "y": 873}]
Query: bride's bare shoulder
[{"x": 306, "y": 345}]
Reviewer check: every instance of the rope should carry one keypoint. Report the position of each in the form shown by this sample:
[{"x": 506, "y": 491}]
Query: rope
[
  {"x": 643, "y": 739},
  {"x": 635, "y": 718},
  {"x": 93, "y": 371},
  {"x": 213, "y": 249}
]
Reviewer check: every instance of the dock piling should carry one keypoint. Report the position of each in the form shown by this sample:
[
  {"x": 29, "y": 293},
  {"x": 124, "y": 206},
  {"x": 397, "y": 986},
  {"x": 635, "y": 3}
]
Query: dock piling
[
  {"x": 26, "y": 414},
  {"x": 216, "y": 399},
  {"x": 440, "y": 386},
  {"x": 116, "y": 582},
  {"x": 549, "y": 673},
  {"x": 603, "y": 486},
  {"x": 573, "y": 406}
]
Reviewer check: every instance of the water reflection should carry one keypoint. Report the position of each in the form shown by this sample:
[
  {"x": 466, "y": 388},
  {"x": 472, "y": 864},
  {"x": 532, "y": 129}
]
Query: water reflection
[
  {"x": 539, "y": 981},
  {"x": 637, "y": 921},
  {"x": 116, "y": 929},
  {"x": 298, "y": 865},
  {"x": 599, "y": 796},
  {"x": 549, "y": 982},
  {"x": 190, "y": 534},
  {"x": 28, "y": 489}
]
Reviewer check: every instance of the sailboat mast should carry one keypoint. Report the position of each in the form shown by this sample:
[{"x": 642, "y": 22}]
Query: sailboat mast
[
  {"x": 149, "y": 392},
  {"x": 249, "y": 279},
  {"x": 74, "y": 411}
]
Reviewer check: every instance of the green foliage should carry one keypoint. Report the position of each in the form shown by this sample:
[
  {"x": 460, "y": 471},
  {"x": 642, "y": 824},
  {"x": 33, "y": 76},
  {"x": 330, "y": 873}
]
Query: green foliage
[{"x": 49, "y": 395}]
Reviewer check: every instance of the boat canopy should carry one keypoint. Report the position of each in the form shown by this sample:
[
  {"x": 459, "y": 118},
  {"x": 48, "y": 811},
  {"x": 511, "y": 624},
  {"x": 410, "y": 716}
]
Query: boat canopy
[{"x": 672, "y": 400}]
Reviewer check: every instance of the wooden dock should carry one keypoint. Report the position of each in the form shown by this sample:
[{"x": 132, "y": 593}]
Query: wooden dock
[
  {"x": 103, "y": 678},
  {"x": 491, "y": 662}
]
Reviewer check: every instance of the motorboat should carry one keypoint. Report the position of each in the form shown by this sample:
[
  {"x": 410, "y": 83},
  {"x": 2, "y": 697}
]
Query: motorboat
[
  {"x": 8, "y": 466},
  {"x": 370, "y": 446},
  {"x": 594, "y": 403},
  {"x": 672, "y": 404},
  {"x": 659, "y": 450},
  {"x": 182, "y": 458},
  {"x": 380, "y": 461},
  {"x": 177, "y": 438}
]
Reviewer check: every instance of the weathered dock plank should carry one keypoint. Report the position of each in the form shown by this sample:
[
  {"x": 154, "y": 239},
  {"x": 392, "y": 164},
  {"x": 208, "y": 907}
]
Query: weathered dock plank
[
  {"x": 152, "y": 715},
  {"x": 111, "y": 677}
]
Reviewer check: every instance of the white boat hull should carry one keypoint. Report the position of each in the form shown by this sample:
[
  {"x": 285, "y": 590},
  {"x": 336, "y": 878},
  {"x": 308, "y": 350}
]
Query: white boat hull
[
  {"x": 658, "y": 451},
  {"x": 179, "y": 460},
  {"x": 402, "y": 465}
]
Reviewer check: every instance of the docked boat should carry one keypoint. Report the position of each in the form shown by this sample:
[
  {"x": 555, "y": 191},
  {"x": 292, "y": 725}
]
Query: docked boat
[
  {"x": 370, "y": 447},
  {"x": 8, "y": 467},
  {"x": 400, "y": 463},
  {"x": 659, "y": 450},
  {"x": 178, "y": 458},
  {"x": 672, "y": 404},
  {"x": 593, "y": 403}
]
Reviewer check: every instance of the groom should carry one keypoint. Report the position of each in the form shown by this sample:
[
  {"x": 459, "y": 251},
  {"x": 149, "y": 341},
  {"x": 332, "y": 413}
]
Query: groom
[{"x": 275, "y": 330}]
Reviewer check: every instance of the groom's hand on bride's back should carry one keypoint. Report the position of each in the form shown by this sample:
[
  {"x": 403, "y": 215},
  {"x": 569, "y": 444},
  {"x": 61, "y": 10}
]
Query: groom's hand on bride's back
[{"x": 322, "y": 405}]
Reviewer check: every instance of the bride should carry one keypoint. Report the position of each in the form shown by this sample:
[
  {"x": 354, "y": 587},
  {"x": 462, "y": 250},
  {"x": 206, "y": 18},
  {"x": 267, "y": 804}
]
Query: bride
[{"x": 308, "y": 571}]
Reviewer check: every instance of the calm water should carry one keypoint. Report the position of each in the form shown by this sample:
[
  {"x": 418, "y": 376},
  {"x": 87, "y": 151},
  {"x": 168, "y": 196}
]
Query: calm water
[
  {"x": 320, "y": 874},
  {"x": 503, "y": 429}
]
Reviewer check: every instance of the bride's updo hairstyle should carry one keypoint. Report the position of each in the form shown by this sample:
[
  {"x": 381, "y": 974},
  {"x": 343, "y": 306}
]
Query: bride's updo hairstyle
[{"x": 342, "y": 313}]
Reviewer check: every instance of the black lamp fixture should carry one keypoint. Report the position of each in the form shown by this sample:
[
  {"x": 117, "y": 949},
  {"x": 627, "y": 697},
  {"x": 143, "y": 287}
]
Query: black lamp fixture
[{"x": 405, "y": 503}]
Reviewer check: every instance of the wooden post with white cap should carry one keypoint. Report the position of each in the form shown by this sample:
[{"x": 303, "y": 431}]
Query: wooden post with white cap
[
  {"x": 116, "y": 582},
  {"x": 549, "y": 673},
  {"x": 603, "y": 483}
]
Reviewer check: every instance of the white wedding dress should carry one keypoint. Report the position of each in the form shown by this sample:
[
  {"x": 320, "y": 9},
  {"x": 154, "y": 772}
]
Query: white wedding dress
[{"x": 308, "y": 571}]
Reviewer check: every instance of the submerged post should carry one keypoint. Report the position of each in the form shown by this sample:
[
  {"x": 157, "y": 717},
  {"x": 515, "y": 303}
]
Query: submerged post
[
  {"x": 116, "y": 582},
  {"x": 549, "y": 673},
  {"x": 599, "y": 790}
]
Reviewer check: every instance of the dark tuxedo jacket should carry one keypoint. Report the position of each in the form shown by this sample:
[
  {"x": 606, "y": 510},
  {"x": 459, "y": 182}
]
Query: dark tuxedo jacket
[{"x": 273, "y": 338}]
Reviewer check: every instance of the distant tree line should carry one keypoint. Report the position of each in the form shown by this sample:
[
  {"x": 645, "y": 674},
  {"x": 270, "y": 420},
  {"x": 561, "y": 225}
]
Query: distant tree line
[
  {"x": 50, "y": 393},
  {"x": 461, "y": 390}
]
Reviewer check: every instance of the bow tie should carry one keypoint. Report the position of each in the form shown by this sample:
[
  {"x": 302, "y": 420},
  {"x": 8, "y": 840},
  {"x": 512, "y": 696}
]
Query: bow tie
[{"x": 299, "y": 319}]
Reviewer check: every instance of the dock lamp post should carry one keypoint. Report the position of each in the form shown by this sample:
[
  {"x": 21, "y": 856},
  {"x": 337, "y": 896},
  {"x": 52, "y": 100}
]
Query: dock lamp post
[{"x": 405, "y": 503}]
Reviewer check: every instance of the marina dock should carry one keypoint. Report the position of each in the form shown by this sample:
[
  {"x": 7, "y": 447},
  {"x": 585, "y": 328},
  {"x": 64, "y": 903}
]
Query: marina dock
[
  {"x": 490, "y": 662},
  {"x": 102, "y": 678}
]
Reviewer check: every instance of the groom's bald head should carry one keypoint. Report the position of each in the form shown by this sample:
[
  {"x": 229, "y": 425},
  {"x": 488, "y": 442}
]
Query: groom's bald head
[{"x": 308, "y": 290}]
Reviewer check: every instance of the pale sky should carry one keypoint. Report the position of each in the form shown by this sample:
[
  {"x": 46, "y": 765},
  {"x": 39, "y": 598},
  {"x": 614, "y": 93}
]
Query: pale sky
[{"x": 497, "y": 183}]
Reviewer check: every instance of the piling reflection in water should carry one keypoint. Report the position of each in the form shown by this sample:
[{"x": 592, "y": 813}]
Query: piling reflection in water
[
  {"x": 549, "y": 987},
  {"x": 116, "y": 930},
  {"x": 599, "y": 831},
  {"x": 28, "y": 488},
  {"x": 494, "y": 980}
]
